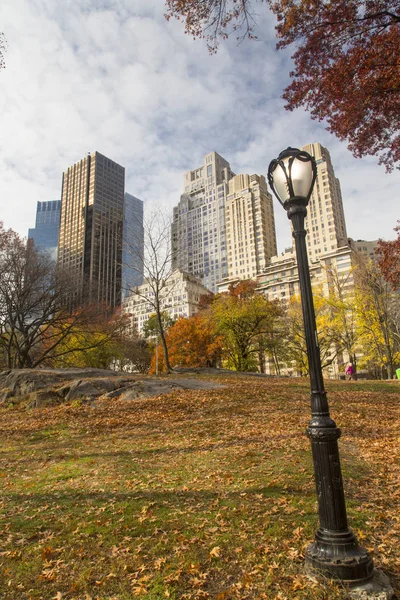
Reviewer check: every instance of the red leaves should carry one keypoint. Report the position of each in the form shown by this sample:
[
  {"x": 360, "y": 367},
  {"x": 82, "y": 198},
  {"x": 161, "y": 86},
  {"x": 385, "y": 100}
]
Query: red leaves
[
  {"x": 347, "y": 69},
  {"x": 389, "y": 259}
]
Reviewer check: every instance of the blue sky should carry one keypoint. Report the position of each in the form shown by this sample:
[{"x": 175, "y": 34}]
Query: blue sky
[{"x": 114, "y": 76}]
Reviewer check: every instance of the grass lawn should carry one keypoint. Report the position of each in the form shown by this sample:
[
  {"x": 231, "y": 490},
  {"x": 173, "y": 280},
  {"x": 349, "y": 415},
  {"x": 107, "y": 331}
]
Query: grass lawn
[{"x": 191, "y": 495}]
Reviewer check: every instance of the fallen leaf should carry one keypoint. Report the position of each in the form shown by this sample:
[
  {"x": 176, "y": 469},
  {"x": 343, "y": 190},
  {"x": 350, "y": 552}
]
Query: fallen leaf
[{"x": 215, "y": 552}]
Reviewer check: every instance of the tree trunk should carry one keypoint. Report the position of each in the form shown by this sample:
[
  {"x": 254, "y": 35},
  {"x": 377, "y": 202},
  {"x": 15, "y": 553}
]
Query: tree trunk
[
  {"x": 353, "y": 360},
  {"x": 168, "y": 367},
  {"x": 261, "y": 360},
  {"x": 276, "y": 363}
]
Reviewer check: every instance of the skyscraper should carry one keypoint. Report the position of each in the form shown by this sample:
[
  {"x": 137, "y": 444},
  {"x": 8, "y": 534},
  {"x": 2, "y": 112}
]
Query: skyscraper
[
  {"x": 45, "y": 232},
  {"x": 90, "y": 240},
  {"x": 133, "y": 244},
  {"x": 198, "y": 228},
  {"x": 250, "y": 226},
  {"x": 325, "y": 220},
  {"x": 329, "y": 249}
]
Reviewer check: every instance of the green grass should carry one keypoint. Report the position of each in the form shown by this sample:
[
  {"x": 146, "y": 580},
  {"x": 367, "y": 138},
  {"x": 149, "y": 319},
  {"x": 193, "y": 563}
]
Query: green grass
[
  {"x": 385, "y": 387},
  {"x": 205, "y": 494}
]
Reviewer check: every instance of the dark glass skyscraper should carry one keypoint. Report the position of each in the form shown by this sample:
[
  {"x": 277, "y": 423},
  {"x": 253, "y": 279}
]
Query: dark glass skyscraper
[
  {"x": 90, "y": 241},
  {"x": 45, "y": 232}
]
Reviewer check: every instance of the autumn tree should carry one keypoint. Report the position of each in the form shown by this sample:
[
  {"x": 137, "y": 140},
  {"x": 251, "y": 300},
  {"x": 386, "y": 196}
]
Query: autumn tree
[
  {"x": 131, "y": 353},
  {"x": 155, "y": 262},
  {"x": 194, "y": 342},
  {"x": 378, "y": 321},
  {"x": 96, "y": 342},
  {"x": 388, "y": 254},
  {"x": 151, "y": 328},
  {"x": 295, "y": 349},
  {"x": 35, "y": 323},
  {"x": 151, "y": 333},
  {"x": 244, "y": 319},
  {"x": 343, "y": 314},
  {"x": 346, "y": 68}
]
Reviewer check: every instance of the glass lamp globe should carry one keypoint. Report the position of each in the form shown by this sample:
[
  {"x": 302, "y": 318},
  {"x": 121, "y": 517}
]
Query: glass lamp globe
[{"x": 292, "y": 176}]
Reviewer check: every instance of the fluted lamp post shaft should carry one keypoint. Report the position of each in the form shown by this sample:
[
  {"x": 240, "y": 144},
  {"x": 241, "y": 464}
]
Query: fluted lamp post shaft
[{"x": 335, "y": 552}]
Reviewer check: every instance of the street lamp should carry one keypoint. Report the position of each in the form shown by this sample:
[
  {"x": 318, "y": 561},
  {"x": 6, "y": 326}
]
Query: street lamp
[{"x": 335, "y": 552}]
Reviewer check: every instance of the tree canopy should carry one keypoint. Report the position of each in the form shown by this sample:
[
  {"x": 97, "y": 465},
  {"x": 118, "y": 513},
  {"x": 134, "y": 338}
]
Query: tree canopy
[
  {"x": 246, "y": 320},
  {"x": 378, "y": 319},
  {"x": 36, "y": 324},
  {"x": 389, "y": 259},
  {"x": 193, "y": 342},
  {"x": 346, "y": 61},
  {"x": 151, "y": 328}
]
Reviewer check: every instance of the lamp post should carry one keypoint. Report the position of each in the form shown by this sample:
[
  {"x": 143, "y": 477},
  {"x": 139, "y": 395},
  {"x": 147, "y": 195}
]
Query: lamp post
[{"x": 335, "y": 552}]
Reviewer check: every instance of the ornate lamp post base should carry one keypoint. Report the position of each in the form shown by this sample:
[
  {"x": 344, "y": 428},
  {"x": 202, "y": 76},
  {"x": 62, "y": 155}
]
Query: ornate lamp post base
[
  {"x": 338, "y": 556},
  {"x": 335, "y": 552}
]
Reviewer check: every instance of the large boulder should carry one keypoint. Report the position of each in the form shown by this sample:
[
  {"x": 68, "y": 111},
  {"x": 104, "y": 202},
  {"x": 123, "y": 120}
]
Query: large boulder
[
  {"x": 21, "y": 382},
  {"x": 41, "y": 398},
  {"x": 155, "y": 387},
  {"x": 6, "y": 395},
  {"x": 93, "y": 387},
  {"x": 44, "y": 387},
  {"x": 88, "y": 388}
]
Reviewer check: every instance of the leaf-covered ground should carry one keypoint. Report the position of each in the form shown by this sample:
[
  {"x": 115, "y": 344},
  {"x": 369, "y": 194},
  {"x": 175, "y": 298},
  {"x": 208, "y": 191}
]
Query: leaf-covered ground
[{"x": 190, "y": 495}]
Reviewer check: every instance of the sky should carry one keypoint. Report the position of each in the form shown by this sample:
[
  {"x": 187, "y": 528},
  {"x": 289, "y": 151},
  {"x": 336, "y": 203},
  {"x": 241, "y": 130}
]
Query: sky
[{"x": 114, "y": 76}]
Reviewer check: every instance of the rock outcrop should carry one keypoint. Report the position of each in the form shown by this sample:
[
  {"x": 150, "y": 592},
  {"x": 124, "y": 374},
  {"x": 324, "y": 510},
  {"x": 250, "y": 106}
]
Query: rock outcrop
[{"x": 46, "y": 387}]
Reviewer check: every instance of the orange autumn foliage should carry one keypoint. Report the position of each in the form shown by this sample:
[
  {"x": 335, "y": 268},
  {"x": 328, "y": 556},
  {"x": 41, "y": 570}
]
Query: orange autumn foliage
[{"x": 192, "y": 342}]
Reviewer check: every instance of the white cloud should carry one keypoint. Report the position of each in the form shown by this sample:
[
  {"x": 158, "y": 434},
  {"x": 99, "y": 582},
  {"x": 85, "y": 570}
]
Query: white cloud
[{"x": 113, "y": 76}]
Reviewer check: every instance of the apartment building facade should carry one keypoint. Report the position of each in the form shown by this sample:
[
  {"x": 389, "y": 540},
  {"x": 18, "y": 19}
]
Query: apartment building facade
[
  {"x": 198, "y": 227},
  {"x": 280, "y": 280},
  {"x": 179, "y": 297},
  {"x": 223, "y": 227},
  {"x": 325, "y": 221},
  {"x": 250, "y": 226}
]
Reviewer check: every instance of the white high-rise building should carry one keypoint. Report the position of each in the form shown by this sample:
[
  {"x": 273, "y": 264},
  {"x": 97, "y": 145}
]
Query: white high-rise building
[
  {"x": 198, "y": 228},
  {"x": 325, "y": 222},
  {"x": 223, "y": 227},
  {"x": 250, "y": 226},
  {"x": 180, "y": 297}
]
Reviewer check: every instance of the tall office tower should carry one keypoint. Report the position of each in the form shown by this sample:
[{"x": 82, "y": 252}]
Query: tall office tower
[
  {"x": 325, "y": 220},
  {"x": 250, "y": 226},
  {"x": 45, "y": 232},
  {"x": 133, "y": 244},
  {"x": 198, "y": 228},
  {"x": 90, "y": 241}
]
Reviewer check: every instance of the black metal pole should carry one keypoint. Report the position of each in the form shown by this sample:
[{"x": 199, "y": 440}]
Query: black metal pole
[{"x": 335, "y": 552}]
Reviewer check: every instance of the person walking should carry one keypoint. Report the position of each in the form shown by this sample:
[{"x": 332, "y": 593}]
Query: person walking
[{"x": 350, "y": 371}]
